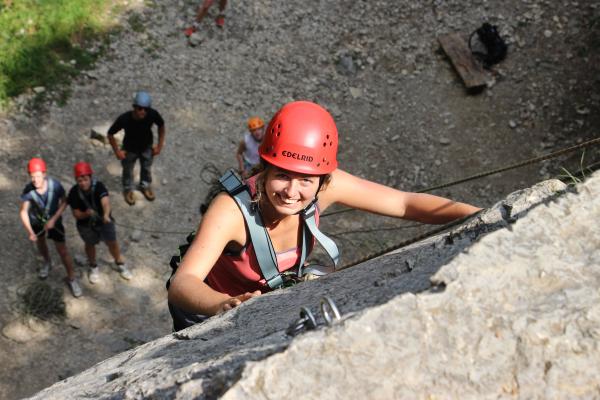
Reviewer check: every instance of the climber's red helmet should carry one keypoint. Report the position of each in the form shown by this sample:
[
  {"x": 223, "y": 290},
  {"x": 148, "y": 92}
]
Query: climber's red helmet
[
  {"x": 36, "y": 165},
  {"x": 82, "y": 168},
  {"x": 301, "y": 137}
]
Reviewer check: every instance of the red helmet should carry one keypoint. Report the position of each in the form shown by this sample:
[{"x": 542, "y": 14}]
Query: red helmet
[
  {"x": 82, "y": 168},
  {"x": 36, "y": 165},
  {"x": 301, "y": 137}
]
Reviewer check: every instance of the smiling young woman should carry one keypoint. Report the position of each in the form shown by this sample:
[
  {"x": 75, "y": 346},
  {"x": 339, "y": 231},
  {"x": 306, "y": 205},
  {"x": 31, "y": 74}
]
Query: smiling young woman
[{"x": 298, "y": 169}]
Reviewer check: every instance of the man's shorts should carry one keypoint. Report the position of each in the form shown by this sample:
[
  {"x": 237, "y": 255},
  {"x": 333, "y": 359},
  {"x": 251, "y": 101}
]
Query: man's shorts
[
  {"x": 93, "y": 234},
  {"x": 57, "y": 233}
]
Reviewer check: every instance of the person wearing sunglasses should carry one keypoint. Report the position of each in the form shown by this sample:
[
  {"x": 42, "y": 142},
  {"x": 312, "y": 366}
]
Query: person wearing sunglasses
[{"x": 138, "y": 144}]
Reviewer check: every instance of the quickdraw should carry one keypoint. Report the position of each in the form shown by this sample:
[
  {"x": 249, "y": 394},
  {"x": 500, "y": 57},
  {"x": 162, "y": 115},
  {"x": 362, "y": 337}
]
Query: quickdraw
[{"x": 307, "y": 321}]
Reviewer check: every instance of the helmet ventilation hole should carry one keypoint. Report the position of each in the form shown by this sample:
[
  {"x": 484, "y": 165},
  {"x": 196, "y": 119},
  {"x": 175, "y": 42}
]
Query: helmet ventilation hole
[
  {"x": 274, "y": 154},
  {"x": 324, "y": 144},
  {"x": 318, "y": 164},
  {"x": 331, "y": 143}
]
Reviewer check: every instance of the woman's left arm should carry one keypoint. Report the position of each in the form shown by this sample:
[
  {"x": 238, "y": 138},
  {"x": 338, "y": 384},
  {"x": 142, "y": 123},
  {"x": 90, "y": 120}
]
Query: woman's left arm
[{"x": 365, "y": 195}]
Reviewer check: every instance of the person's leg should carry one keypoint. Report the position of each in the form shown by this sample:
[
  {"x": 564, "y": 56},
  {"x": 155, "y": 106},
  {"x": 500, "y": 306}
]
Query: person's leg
[
  {"x": 90, "y": 252},
  {"x": 146, "y": 159},
  {"x": 203, "y": 10},
  {"x": 42, "y": 246},
  {"x": 128, "y": 163},
  {"x": 108, "y": 234},
  {"x": 115, "y": 251},
  {"x": 146, "y": 174},
  {"x": 220, "y": 20},
  {"x": 93, "y": 273}
]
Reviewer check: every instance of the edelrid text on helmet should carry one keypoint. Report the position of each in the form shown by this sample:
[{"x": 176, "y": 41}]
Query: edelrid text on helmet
[
  {"x": 142, "y": 99},
  {"x": 36, "y": 165},
  {"x": 301, "y": 137},
  {"x": 255, "y": 123},
  {"x": 82, "y": 168}
]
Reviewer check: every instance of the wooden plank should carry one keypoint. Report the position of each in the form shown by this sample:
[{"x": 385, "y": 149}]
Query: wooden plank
[{"x": 469, "y": 69}]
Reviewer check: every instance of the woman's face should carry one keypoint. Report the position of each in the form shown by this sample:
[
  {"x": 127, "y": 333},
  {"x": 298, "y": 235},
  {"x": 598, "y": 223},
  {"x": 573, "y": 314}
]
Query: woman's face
[{"x": 290, "y": 192}]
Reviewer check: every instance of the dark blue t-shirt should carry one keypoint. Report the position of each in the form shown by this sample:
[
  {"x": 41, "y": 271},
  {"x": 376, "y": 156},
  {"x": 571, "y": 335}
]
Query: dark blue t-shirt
[
  {"x": 39, "y": 209},
  {"x": 138, "y": 133}
]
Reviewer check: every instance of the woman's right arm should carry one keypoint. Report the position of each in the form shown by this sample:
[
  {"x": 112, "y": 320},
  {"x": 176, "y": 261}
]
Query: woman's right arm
[{"x": 222, "y": 224}]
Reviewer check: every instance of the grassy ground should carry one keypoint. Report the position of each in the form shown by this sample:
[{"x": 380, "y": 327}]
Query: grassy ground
[{"x": 40, "y": 41}]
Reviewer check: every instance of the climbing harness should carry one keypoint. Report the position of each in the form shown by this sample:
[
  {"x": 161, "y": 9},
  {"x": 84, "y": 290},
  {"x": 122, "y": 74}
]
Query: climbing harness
[
  {"x": 94, "y": 219},
  {"x": 307, "y": 321},
  {"x": 495, "y": 46},
  {"x": 43, "y": 214},
  {"x": 263, "y": 247}
]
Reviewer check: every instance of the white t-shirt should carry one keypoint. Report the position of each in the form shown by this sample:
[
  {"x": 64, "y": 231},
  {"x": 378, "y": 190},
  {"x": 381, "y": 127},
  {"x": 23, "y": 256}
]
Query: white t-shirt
[{"x": 251, "y": 154}]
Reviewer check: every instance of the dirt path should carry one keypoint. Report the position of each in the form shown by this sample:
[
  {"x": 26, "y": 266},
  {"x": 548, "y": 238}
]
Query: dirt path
[{"x": 403, "y": 115}]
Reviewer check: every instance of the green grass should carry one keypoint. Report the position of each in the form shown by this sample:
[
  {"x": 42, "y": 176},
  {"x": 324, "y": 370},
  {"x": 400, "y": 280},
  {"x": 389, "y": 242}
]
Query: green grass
[{"x": 40, "y": 38}]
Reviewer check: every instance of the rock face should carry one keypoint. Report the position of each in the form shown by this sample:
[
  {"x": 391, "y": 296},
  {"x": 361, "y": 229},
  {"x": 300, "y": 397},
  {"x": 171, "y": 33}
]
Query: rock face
[{"x": 516, "y": 315}]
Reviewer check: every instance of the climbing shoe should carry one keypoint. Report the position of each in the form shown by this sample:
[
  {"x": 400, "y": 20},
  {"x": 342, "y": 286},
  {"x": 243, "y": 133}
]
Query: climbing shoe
[
  {"x": 44, "y": 270},
  {"x": 75, "y": 288},
  {"x": 124, "y": 271},
  {"x": 148, "y": 193},
  {"x": 220, "y": 20},
  {"x": 129, "y": 197},
  {"x": 94, "y": 274}
]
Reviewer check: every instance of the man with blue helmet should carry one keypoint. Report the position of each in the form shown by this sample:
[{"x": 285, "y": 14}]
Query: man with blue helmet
[{"x": 138, "y": 144}]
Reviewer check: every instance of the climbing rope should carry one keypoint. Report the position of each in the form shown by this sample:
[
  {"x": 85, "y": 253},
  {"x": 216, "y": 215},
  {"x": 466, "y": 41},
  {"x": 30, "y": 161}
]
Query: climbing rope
[
  {"x": 40, "y": 300},
  {"x": 410, "y": 241}
]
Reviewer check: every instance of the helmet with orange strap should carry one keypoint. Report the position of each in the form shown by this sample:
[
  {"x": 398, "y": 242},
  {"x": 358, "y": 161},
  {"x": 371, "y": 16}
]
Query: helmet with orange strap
[
  {"x": 301, "y": 137},
  {"x": 82, "y": 168},
  {"x": 36, "y": 165}
]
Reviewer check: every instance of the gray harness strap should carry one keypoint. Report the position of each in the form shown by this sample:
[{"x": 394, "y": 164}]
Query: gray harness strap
[
  {"x": 93, "y": 192},
  {"x": 263, "y": 247},
  {"x": 44, "y": 207}
]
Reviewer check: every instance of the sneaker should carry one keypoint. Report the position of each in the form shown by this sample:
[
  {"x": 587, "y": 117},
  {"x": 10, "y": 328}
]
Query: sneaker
[
  {"x": 75, "y": 288},
  {"x": 124, "y": 271},
  {"x": 44, "y": 269},
  {"x": 220, "y": 20},
  {"x": 148, "y": 193},
  {"x": 129, "y": 197},
  {"x": 94, "y": 274}
]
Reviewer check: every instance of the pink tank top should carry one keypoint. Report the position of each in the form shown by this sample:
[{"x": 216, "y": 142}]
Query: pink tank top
[{"x": 235, "y": 274}]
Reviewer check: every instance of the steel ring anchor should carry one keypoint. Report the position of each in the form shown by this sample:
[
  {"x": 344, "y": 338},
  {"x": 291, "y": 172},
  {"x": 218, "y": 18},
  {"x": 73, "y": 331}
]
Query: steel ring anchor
[
  {"x": 327, "y": 306},
  {"x": 306, "y": 321}
]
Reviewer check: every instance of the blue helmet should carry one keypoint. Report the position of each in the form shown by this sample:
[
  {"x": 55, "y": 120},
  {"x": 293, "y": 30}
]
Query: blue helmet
[{"x": 142, "y": 99}]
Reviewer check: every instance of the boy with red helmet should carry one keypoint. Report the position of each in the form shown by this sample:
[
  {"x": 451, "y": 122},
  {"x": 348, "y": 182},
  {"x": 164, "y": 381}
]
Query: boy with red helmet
[
  {"x": 43, "y": 202},
  {"x": 247, "y": 153},
  {"x": 90, "y": 204},
  {"x": 221, "y": 270}
]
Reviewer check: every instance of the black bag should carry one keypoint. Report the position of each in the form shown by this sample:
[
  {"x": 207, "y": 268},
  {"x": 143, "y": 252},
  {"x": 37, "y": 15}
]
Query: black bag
[{"x": 495, "y": 46}]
